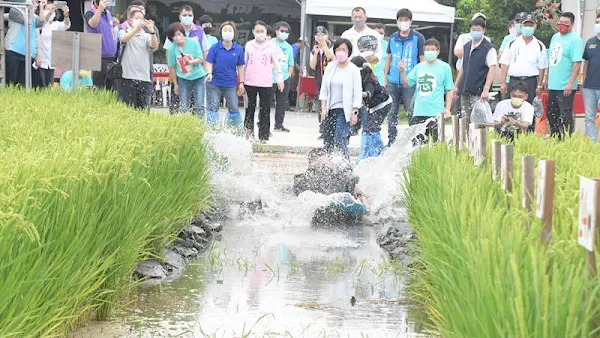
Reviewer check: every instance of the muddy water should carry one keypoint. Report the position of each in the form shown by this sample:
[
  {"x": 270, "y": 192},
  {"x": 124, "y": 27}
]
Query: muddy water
[{"x": 272, "y": 274}]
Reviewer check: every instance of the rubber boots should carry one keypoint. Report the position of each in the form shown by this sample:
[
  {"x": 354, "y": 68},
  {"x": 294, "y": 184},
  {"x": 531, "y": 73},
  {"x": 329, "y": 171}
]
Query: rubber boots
[
  {"x": 371, "y": 146},
  {"x": 213, "y": 119},
  {"x": 234, "y": 120}
]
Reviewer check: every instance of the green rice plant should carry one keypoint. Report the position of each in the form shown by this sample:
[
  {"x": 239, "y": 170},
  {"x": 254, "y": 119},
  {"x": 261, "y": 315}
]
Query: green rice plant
[
  {"x": 480, "y": 271},
  {"x": 88, "y": 188}
]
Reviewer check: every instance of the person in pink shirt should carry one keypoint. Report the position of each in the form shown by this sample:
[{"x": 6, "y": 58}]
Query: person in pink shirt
[{"x": 261, "y": 61}]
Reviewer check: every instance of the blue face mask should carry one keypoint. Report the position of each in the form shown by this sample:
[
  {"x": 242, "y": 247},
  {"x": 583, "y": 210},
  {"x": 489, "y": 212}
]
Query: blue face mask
[
  {"x": 527, "y": 31},
  {"x": 476, "y": 35},
  {"x": 518, "y": 28},
  {"x": 597, "y": 28},
  {"x": 430, "y": 55},
  {"x": 187, "y": 20},
  {"x": 284, "y": 35}
]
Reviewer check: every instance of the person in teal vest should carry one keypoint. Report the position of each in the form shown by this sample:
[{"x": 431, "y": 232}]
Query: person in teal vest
[{"x": 380, "y": 67}]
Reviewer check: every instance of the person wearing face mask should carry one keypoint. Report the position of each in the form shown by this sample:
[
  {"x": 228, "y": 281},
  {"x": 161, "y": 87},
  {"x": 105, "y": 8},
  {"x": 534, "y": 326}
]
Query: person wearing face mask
[
  {"x": 380, "y": 67},
  {"x": 433, "y": 79},
  {"x": 186, "y": 17},
  {"x": 224, "y": 63},
  {"x": 366, "y": 42},
  {"x": 514, "y": 115},
  {"x": 286, "y": 65},
  {"x": 524, "y": 60},
  {"x": 14, "y": 45},
  {"x": 321, "y": 55},
  {"x": 591, "y": 84},
  {"x": 135, "y": 60},
  {"x": 187, "y": 74},
  {"x": 206, "y": 22},
  {"x": 406, "y": 46},
  {"x": 514, "y": 31},
  {"x": 341, "y": 98},
  {"x": 566, "y": 51},
  {"x": 476, "y": 75},
  {"x": 262, "y": 61},
  {"x": 49, "y": 14},
  {"x": 98, "y": 20},
  {"x": 459, "y": 47}
]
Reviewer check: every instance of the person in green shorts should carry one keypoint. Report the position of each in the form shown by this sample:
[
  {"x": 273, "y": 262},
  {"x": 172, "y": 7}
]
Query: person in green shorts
[{"x": 433, "y": 80}]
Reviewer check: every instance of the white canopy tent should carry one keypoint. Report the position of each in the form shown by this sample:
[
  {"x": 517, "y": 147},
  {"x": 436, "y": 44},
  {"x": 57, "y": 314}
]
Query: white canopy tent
[{"x": 423, "y": 10}]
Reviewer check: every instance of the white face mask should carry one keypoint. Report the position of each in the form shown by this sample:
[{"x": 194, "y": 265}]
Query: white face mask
[
  {"x": 52, "y": 16},
  {"x": 228, "y": 36},
  {"x": 404, "y": 26},
  {"x": 136, "y": 22}
]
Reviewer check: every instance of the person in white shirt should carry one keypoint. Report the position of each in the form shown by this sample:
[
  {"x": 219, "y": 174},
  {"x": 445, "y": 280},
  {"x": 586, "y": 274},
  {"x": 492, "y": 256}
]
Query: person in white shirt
[
  {"x": 514, "y": 115},
  {"x": 366, "y": 42},
  {"x": 463, "y": 39},
  {"x": 525, "y": 60},
  {"x": 49, "y": 16}
]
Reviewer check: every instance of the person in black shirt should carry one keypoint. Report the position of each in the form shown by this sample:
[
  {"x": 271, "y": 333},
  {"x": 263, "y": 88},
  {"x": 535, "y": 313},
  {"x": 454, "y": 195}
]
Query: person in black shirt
[
  {"x": 321, "y": 55},
  {"x": 329, "y": 174}
]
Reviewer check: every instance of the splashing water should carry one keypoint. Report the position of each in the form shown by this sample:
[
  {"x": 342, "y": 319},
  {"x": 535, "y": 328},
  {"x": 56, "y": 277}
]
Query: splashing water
[
  {"x": 271, "y": 274},
  {"x": 381, "y": 177},
  {"x": 242, "y": 180}
]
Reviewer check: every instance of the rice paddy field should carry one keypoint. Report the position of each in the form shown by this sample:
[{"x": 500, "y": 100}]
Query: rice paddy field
[
  {"x": 88, "y": 188},
  {"x": 481, "y": 270}
]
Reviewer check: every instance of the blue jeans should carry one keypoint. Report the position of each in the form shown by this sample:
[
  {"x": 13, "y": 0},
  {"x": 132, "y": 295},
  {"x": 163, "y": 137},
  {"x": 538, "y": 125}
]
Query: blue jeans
[
  {"x": 214, "y": 95},
  {"x": 336, "y": 131},
  {"x": 399, "y": 93},
  {"x": 590, "y": 101},
  {"x": 186, "y": 89}
]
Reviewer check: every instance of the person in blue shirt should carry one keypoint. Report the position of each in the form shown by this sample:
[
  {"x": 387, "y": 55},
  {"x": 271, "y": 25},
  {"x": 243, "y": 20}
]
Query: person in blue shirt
[
  {"x": 380, "y": 66},
  {"x": 591, "y": 84},
  {"x": 188, "y": 76},
  {"x": 85, "y": 80},
  {"x": 286, "y": 63},
  {"x": 224, "y": 62},
  {"x": 566, "y": 51},
  {"x": 432, "y": 80},
  {"x": 405, "y": 46}
]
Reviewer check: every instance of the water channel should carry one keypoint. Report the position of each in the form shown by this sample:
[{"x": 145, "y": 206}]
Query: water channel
[{"x": 273, "y": 275}]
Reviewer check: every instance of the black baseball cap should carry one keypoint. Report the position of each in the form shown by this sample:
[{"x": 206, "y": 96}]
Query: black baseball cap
[
  {"x": 529, "y": 18},
  {"x": 321, "y": 30},
  {"x": 521, "y": 16}
]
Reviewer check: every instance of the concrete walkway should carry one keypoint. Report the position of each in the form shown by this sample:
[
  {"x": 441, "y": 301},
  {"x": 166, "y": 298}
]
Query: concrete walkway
[{"x": 304, "y": 133}]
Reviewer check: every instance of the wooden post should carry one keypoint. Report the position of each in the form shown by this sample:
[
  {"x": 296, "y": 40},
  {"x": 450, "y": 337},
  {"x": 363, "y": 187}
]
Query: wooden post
[
  {"x": 472, "y": 140},
  {"x": 441, "y": 129},
  {"x": 481, "y": 146},
  {"x": 528, "y": 181},
  {"x": 589, "y": 219},
  {"x": 462, "y": 133},
  {"x": 496, "y": 159},
  {"x": 507, "y": 166},
  {"x": 545, "y": 198},
  {"x": 455, "y": 130}
]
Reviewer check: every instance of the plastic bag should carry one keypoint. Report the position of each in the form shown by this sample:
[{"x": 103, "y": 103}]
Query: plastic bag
[
  {"x": 538, "y": 107},
  {"x": 481, "y": 113}
]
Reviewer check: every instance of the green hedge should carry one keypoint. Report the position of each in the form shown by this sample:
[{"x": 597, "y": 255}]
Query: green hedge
[
  {"x": 480, "y": 270},
  {"x": 88, "y": 188}
]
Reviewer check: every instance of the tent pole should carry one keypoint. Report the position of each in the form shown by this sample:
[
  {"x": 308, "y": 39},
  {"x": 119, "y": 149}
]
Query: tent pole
[{"x": 451, "y": 46}]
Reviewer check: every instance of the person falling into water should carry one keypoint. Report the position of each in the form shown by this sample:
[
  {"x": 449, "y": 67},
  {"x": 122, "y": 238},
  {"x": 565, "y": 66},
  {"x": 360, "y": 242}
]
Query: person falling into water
[{"x": 329, "y": 174}]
